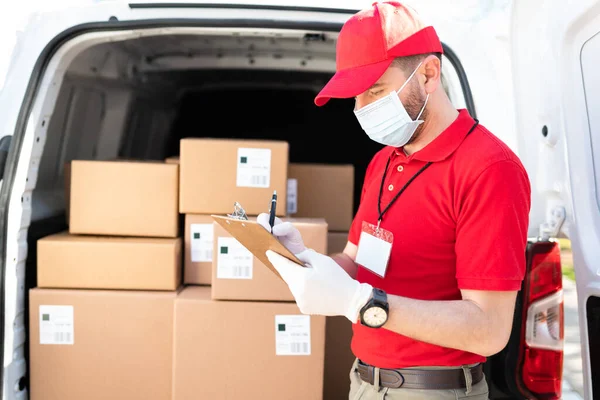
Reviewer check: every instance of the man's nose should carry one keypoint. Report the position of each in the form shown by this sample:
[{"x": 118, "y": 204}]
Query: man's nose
[{"x": 360, "y": 102}]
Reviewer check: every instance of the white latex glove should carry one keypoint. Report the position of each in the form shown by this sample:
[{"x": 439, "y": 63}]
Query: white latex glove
[
  {"x": 285, "y": 232},
  {"x": 322, "y": 287}
]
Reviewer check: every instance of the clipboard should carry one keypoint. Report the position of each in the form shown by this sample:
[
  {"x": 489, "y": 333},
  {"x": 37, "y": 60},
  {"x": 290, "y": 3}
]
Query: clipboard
[{"x": 256, "y": 239}]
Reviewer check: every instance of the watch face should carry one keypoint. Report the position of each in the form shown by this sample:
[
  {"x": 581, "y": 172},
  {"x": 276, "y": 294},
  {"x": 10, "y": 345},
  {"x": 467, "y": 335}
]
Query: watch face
[{"x": 375, "y": 316}]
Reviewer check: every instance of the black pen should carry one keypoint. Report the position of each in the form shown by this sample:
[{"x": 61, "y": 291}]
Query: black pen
[{"x": 272, "y": 210}]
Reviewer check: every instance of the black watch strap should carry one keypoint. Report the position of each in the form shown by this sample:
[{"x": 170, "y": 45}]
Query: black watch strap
[{"x": 379, "y": 296}]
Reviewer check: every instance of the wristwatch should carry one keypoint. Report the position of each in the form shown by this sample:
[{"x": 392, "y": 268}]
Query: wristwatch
[{"x": 375, "y": 313}]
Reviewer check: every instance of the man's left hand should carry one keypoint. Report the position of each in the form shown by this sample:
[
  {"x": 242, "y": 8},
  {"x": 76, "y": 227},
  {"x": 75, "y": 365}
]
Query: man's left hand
[{"x": 322, "y": 287}]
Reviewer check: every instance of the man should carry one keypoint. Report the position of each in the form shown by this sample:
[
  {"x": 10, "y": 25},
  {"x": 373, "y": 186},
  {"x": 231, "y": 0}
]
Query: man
[{"x": 436, "y": 251}]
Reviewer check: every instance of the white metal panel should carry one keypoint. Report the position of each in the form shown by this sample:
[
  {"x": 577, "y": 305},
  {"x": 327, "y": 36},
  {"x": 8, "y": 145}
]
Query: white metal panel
[
  {"x": 590, "y": 66},
  {"x": 555, "y": 71}
]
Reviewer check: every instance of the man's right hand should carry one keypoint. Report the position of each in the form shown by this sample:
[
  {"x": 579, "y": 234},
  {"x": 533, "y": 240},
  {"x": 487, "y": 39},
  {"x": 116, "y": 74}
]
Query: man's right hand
[{"x": 286, "y": 232}]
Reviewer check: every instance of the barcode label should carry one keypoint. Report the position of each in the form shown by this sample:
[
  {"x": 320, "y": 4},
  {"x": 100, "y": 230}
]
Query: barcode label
[
  {"x": 292, "y": 196},
  {"x": 299, "y": 348},
  {"x": 253, "y": 167},
  {"x": 242, "y": 271},
  {"x": 234, "y": 261},
  {"x": 292, "y": 335},
  {"x": 56, "y": 325},
  {"x": 62, "y": 337},
  {"x": 259, "y": 180},
  {"x": 201, "y": 241}
]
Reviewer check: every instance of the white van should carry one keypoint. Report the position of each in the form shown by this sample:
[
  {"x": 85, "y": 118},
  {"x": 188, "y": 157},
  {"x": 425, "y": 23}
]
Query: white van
[{"x": 104, "y": 78}]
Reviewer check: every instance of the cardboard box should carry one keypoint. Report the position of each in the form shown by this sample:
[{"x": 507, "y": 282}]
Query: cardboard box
[
  {"x": 336, "y": 242},
  {"x": 124, "y": 198},
  {"x": 338, "y": 358},
  {"x": 103, "y": 262},
  {"x": 246, "y": 350},
  {"x": 322, "y": 191},
  {"x": 98, "y": 345},
  {"x": 338, "y": 338},
  {"x": 67, "y": 189},
  {"x": 198, "y": 249},
  {"x": 215, "y": 173},
  {"x": 172, "y": 160},
  {"x": 238, "y": 275}
]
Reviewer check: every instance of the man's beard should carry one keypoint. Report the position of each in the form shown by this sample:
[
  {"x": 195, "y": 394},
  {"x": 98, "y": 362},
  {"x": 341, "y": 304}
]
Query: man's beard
[{"x": 413, "y": 105}]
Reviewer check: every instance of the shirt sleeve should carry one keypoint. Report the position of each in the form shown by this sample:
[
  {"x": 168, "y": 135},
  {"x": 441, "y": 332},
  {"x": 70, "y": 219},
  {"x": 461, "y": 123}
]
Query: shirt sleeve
[{"x": 492, "y": 226}]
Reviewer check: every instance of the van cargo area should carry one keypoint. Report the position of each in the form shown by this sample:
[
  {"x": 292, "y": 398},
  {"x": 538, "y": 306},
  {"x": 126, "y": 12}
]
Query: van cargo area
[{"x": 134, "y": 96}]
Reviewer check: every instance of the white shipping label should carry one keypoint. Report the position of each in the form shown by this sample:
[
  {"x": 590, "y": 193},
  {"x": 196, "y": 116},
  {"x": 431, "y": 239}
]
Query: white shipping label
[
  {"x": 56, "y": 325},
  {"x": 292, "y": 196},
  {"x": 254, "y": 168},
  {"x": 234, "y": 261},
  {"x": 292, "y": 335},
  {"x": 201, "y": 242}
]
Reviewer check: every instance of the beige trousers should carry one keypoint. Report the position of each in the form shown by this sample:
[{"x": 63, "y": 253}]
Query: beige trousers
[{"x": 360, "y": 390}]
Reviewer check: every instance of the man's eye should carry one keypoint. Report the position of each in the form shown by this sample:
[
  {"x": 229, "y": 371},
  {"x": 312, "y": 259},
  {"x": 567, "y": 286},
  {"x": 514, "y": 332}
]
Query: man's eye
[{"x": 378, "y": 92}]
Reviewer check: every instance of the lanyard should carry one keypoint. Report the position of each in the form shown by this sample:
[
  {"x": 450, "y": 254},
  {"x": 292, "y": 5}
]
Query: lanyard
[{"x": 423, "y": 168}]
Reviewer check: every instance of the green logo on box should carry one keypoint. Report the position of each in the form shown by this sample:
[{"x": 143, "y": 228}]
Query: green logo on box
[
  {"x": 243, "y": 160},
  {"x": 196, "y": 235},
  {"x": 224, "y": 250},
  {"x": 281, "y": 327},
  {"x": 45, "y": 317}
]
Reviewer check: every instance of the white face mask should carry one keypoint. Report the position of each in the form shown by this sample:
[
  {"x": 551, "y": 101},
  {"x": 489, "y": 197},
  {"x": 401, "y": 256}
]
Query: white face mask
[{"x": 386, "y": 120}]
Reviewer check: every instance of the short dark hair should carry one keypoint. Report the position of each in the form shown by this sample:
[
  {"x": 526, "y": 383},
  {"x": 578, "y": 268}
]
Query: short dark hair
[{"x": 409, "y": 63}]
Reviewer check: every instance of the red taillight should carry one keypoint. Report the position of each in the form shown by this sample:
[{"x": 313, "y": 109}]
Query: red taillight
[
  {"x": 546, "y": 274},
  {"x": 540, "y": 372},
  {"x": 543, "y": 323}
]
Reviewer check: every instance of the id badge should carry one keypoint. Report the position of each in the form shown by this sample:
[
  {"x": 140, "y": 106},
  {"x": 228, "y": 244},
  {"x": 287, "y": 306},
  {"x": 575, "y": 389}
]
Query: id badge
[{"x": 374, "y": 248}]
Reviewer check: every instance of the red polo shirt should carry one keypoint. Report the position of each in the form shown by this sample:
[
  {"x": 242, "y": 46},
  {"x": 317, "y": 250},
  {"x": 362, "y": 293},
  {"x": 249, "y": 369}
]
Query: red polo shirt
[{"x": 461, "y": 224}]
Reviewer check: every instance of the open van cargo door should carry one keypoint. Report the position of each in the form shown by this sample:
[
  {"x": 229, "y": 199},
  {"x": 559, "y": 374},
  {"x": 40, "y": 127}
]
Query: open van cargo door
[
  {"x": 556, "y": 58},
  {"x": 530, "y": 365}
]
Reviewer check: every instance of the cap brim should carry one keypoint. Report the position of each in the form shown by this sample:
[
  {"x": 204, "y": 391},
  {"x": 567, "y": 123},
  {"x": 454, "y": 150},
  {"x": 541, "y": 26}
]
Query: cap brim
[{"x": 352, "y": 82}]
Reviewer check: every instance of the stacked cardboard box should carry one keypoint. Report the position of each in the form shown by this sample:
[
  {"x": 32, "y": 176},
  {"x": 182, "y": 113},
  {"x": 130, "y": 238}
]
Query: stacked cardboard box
[
  {"x": 327, "y": 191},
  {"x": 251, "y": 328},
  {"x": 101, "y": 317},
  {"x": 110, "y": 309},
  {"x": 216, "y": 173}
]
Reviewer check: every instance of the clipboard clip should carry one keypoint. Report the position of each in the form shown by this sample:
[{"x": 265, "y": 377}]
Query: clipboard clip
[{"x": 238, "y": 212}]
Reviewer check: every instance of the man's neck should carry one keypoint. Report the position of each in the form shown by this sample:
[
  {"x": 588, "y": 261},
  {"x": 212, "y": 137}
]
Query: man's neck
[{"x": 431, "y": 128}]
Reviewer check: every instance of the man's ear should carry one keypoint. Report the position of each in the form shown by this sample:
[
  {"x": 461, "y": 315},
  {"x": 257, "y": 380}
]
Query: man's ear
[{"x": 432, "y": 69}]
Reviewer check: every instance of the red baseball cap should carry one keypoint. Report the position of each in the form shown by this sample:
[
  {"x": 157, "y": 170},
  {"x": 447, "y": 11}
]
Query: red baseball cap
[{"x": 368, "y": 43}]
